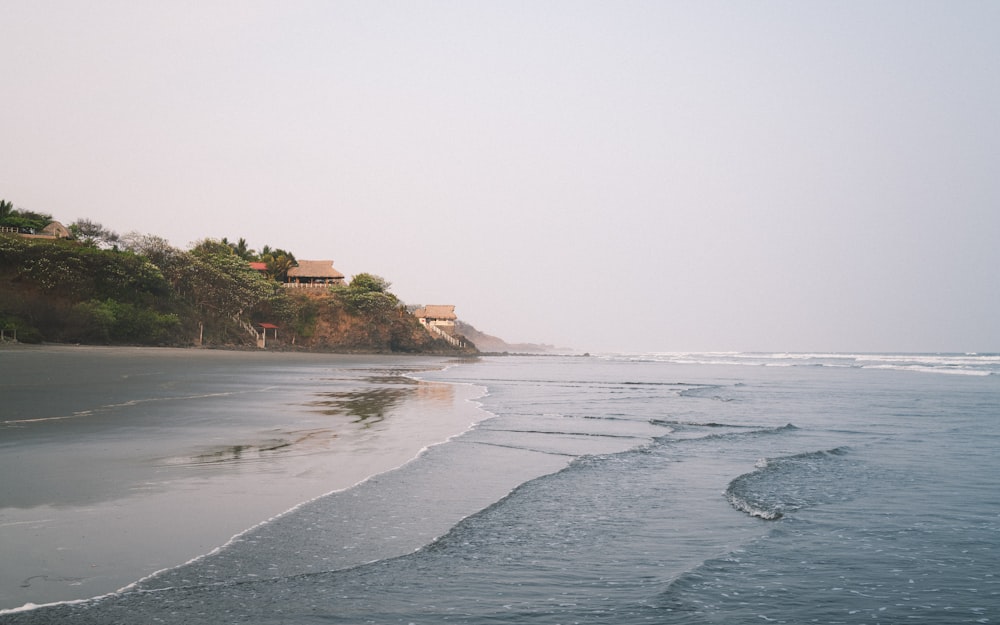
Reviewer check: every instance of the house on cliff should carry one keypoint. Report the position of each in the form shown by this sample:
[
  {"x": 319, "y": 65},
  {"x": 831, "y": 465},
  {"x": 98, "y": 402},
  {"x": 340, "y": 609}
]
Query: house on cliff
[
  {"x": 440, "y": 322},
  {"x": 440, "y": 316},
  {"x": 314, "y": 273}
]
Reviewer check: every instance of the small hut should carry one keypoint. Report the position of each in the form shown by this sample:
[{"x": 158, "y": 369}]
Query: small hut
[
  {"x": 57, "y": 230},
  {"x": 262, "y": 330},
  {"x": 440, "y": 316},
  {"x": 314, "y": 273}
]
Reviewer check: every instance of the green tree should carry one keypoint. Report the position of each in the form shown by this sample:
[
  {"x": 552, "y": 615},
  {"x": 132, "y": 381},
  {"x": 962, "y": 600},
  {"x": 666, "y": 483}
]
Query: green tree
[
  {"x": 278, "y": 262},
  {"x": 65, "y": 268},
  {"x": 114, "y": 321},
  {"x": 241, "y": 249},
  {"x": 157, "y": 249},
  {"x": 212, "y": 247},
  {"x": 367, "y": 282},
  {"x": 225, "y": 283},
  {"x": 368, "y": 294},
  {"x": 93, "y": 233},
  {"x": 220, "y": 284},
  {"x": 22, "y": 219}
]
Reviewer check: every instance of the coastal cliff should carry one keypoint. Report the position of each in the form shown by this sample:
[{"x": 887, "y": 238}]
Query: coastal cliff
[
  {"x": 327, "y": 323},
  {"x": 64, "y": 291}
]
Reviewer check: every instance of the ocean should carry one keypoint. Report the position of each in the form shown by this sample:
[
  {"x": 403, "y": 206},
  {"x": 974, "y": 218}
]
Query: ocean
[{"x": 638, "y": 488}]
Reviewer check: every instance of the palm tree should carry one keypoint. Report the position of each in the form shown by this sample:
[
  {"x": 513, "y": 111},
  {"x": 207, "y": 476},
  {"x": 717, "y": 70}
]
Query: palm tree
[
  {"x": 6, "y": 209},
  {"x": 241, "y": 249},
  {"x": 278, "y": 262}
]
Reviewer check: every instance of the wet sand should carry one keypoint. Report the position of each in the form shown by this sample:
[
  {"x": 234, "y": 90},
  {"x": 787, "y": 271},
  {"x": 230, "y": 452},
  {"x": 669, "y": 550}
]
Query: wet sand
[{"x": 119, "y": 462}]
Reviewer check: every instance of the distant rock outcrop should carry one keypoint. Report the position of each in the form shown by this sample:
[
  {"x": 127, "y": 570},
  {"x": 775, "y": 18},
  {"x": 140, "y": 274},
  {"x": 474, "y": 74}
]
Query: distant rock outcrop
[{"x": 489, "y": 343}]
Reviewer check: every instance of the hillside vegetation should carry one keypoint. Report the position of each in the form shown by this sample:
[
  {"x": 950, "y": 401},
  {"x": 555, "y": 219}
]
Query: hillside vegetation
[{"x": 139, "y": 290}]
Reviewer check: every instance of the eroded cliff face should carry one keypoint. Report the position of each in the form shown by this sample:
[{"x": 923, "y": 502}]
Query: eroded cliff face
[{"x": 326, "y": 324}]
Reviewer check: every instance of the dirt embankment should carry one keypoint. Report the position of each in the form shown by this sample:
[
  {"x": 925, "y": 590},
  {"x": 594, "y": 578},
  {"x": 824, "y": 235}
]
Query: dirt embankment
[{"x": 326, "y": 324}]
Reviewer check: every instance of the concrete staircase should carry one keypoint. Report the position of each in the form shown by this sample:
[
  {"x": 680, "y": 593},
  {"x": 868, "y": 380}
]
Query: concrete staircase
[{"x": 455, "y": 340}]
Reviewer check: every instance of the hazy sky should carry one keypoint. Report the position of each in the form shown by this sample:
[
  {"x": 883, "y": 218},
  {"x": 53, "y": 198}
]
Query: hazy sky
[{"x": 602, "y": 175}]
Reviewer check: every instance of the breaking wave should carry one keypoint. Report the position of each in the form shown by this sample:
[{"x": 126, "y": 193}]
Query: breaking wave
[
  {"x": 781, "y": 485},
  {"x": 974, "y": 364}
]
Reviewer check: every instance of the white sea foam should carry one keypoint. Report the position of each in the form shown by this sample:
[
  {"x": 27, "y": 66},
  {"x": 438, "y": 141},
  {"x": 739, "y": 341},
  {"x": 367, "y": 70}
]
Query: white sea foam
[
  {"x": 955, "y": 364},
  {"x": 32, "y": 522},
  {"x": 27, "y": 607}
]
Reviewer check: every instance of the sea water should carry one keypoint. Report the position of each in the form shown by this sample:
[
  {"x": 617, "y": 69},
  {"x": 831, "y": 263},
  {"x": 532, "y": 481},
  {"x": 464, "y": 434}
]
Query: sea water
[{"x": 643, "y": 488}]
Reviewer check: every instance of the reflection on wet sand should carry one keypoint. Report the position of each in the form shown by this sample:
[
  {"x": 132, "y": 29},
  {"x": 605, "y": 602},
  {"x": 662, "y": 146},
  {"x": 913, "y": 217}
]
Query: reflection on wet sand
[
  {"x": 368, "y": 407},
  {"x": 436, "y": 391},
  {"x": 302, "y": 441},
  {"x": 388, "y": 389},
  {"x": 371, "y": 406}
]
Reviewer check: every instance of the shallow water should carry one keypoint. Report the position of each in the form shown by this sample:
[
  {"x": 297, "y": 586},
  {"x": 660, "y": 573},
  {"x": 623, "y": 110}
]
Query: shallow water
[{"x": 643, "y": 489}]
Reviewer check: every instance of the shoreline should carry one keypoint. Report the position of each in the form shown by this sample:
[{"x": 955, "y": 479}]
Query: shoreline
[
  {"x": 199, "y": 488},
  {"x": 249, "y": 349}
]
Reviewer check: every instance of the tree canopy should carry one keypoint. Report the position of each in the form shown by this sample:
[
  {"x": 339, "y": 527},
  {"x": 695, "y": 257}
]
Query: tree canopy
[
  {"x": 369, "y": 294},
  {"x": 101, "y": 287},
  {"x": 22, "y": 219},
  {"x": 93, "y": 233}
]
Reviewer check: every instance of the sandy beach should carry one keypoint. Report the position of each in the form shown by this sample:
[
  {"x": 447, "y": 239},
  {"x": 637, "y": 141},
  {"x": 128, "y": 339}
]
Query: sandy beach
[{"x": 120, "y": 462}]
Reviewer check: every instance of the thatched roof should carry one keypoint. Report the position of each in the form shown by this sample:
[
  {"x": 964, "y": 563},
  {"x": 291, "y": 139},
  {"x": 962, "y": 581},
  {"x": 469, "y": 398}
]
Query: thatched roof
[
  {"x": 314, "y": 269},
  {"x": 56, "y": 229},
  {"x": 446, "y": 312}
]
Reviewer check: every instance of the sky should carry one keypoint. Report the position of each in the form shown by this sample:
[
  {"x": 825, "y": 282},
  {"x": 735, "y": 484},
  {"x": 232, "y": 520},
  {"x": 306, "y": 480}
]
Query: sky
[{"x": 604, "y": 176}]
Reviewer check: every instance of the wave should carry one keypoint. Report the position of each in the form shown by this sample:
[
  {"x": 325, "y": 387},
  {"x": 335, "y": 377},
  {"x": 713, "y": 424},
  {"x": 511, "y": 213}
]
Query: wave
[
  {"x": 563, "y": 433},
  {"x": 778, "y": 486},
  {"x": 948, "y": 370},
  {"x": 739, "y": 432},
  {"x": 706, "y": 392},
  {"x": 974, "y": 364},
  {"x": 709, "y": 424}
]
